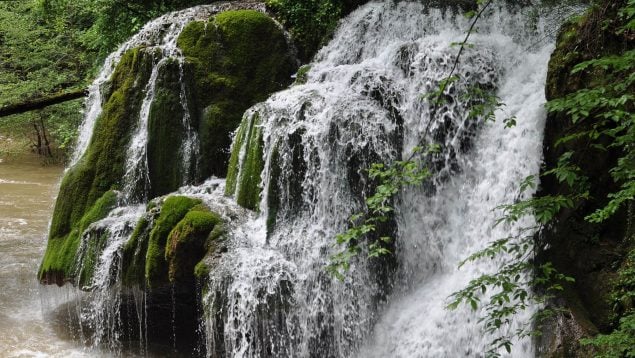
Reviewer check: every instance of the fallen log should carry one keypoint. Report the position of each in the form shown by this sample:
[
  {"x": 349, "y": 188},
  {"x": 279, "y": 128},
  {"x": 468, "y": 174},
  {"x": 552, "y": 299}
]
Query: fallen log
[{"x": 42, "y": 102}]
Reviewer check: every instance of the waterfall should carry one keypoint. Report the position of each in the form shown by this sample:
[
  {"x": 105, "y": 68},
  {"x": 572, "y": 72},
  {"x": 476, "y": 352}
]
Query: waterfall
[
  {"x": 302, "y": 156},
  {"x": 95, "y": 318},
  {"x": 152, "y": 33},
  {"x": 363, "y": 103}
]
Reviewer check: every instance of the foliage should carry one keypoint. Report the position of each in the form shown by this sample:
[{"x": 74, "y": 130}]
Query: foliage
[
  {"x": 92, "y": 20},
  {"x": 620, "y": 343},
  {"x": 610, "y": 105},
  {"x": 607, "y": 104},
  {"x": 48, "y": 46},
  {"x": 35, "y": 60},
  {"x": 379, "y": 207},
  {"x": 310, "y": 22}
]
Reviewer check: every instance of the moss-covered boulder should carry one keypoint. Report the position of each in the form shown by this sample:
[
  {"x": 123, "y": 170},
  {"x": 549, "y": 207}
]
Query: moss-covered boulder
[
  {"x": 172, "y": 211},
  {"x": 169, "y": 242},
  {"x": 187, "y": 242},
  {"x": 102, "y": 166},
  {"x": 238, "y": 58},
  {"x": 59, "y": 263},
  {"x": 232, "y": 61}
]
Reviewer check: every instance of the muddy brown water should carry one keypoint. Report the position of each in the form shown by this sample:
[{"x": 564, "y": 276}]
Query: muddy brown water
[{"x": 27, "y": 193}]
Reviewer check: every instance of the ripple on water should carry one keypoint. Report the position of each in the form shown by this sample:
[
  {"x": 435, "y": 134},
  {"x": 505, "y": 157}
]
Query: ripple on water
[{"x": 27, "y": 192}]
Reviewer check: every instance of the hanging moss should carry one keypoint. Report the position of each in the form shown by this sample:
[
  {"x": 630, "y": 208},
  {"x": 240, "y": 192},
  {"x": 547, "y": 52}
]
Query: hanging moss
[
  {"x": 168, "y": 245},
  {"x": 246, "y": 163},
  {"x": 58, "y": 264},
  {"x": 238, "y": 58},
  {"x": 91, "y": 254},
  {"x": 233, "y": 61},
  {"x": 166, "y": 132},
  {"x": 134, "y": 254},
  {"x": 233, "y": 168},
  {"x": 102, "y": 166},
  {"x": 173, "y": 210},
  {"x": 186, "y": 244}
]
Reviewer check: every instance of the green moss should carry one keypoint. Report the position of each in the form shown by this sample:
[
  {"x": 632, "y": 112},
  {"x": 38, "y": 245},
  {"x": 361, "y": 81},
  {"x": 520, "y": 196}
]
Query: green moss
[
  {"x": 102, "y": 166},
  {"x": 238, "y": 59},
  {"x": 201, "y": 270},
  {"x": 134, "y": 254},
  {"x": 186, "y": 244},
  {"x": 60, "y": 255},
  {"x": 233, "y": 61},
  {"x": 173, "y": 210},
  {"x": 302, "y": 76},
  {"x": 234, "y": 159},
  {"x": 246, "y": 161},
  {"x": 99, "y": 210},
  {"x": 273, "y": 194},
  {"x": 90, "y": 256},
  {"x": 166, "y": 132}
]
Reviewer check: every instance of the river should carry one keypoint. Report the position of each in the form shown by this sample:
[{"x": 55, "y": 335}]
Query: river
[{"x": 27, "y": 194}]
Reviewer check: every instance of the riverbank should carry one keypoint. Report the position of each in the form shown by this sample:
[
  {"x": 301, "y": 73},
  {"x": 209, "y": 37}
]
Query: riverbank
[{"x": 19, "y": 147}]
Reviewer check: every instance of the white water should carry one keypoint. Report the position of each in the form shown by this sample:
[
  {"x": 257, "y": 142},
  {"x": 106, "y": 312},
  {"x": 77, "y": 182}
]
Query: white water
[
  {"x": 160, "y": 33},
  {"x": 94, "y": 317},
  {"x": 269, "y": 294},
  {"x": 362, "y": 87}
]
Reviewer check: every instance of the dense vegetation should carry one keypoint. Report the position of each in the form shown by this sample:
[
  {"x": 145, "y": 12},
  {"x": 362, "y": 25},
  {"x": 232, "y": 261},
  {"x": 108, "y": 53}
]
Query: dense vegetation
[{"x": 53, "y": 46}]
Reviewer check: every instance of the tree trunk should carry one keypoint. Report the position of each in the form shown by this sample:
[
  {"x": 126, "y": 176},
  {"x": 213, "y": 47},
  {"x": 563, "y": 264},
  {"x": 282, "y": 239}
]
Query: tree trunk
[{"x": 42, "y": 102}]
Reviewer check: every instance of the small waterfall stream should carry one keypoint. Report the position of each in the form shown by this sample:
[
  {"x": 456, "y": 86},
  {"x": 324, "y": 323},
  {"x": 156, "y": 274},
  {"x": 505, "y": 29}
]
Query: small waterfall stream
[{"x": 268, "y": 293}]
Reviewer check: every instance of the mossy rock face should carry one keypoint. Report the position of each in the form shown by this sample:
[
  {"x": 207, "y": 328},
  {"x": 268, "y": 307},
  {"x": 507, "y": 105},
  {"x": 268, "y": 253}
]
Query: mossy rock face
[
  {"x": 134, "y": 251},
  {"x": 187, "y": 243},
  {"x": 102, "y": 166},
  {"x": 169, "y": 242},
  {"x": 238, "y": 58},
  {"x": 234, "y": 60},
  {"x": 588, "y": 252},
  {"x": 166, "y": 131},
  {"x": 58, "y": 265},
  {"x": 173, "y": 210},
  {"x": 246, "y": 163}
]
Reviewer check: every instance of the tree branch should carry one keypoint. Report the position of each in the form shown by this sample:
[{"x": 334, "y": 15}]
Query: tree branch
[{"x": 42, "y": 102}]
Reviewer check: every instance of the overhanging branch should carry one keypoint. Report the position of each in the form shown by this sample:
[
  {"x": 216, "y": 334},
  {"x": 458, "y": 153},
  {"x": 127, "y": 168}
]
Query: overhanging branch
[{"x": 41, "y": 102}]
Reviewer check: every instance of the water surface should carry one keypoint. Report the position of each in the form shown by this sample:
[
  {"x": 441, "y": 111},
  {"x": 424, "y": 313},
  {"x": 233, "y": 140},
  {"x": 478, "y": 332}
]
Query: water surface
[{"x": 27, "y": 193}]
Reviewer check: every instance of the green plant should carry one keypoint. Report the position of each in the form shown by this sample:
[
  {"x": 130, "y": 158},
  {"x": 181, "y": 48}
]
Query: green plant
[
  {"x": 513, "y": 286},
  {"x": 392, "y": 178},
  {"x": 311, "y": 22},
  {"x": 605, "y": 108}
]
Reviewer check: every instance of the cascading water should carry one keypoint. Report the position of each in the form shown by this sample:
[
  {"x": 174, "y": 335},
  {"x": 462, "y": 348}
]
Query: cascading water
[
  {"x": 100, "y": 320},
  {"x": 268, "y": 293}
]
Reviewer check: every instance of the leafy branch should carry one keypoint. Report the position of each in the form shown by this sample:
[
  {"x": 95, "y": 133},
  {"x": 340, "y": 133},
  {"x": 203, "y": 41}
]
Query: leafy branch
[{"x": 392, "y": 178}]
